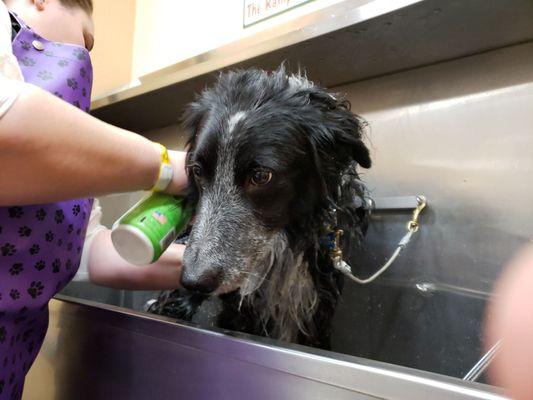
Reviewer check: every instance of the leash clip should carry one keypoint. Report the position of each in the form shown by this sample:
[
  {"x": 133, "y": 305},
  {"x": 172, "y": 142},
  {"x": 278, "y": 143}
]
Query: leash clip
[{"x": 335, "y": 251}]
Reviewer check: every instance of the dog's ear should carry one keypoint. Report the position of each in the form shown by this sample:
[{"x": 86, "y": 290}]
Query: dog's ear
[
  {"x": 339, "y": 132},
  {"x": 192, "y": 120}
]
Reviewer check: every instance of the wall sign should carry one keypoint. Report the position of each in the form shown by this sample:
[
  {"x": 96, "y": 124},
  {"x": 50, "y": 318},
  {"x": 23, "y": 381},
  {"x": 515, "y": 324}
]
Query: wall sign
[{"x": 259, "y": 10}]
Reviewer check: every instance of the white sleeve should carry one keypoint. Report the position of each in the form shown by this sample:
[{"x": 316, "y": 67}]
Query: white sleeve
[
  {"x": 93, "y": 229},
  {"x": 10, "y": 74}
]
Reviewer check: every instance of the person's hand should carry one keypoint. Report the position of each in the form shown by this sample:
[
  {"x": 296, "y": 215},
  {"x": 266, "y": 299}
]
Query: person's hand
[
  {"x": 179, "y": 179},
  {"x": 510, "y": 319}
]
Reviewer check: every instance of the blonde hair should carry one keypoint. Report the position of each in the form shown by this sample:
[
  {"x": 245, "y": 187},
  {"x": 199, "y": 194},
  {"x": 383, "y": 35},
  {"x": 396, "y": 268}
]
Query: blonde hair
[{"x": 86, "y": 5}]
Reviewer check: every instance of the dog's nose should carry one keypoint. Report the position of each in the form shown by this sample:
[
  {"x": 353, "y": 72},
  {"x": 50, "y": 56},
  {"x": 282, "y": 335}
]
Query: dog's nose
[{"x": 207, "y": 282}]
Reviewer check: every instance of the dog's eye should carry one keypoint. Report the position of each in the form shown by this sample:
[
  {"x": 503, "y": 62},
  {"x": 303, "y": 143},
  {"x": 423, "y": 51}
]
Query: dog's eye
[
  {"x": 197, "y": 171},
  {"x": 261, "y": 177}
]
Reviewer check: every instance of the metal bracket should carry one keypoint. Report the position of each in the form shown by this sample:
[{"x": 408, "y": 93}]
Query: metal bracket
[
  {"x": 394, "y": 203},
  {"x": 387, "y": 203}
]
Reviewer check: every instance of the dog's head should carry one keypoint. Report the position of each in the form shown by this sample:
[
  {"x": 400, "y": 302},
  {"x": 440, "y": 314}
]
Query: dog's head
[{"x": 266, "y": 151}]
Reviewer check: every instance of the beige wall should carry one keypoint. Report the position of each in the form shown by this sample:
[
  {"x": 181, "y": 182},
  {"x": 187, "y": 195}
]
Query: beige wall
[
  {"x": 137, "y": 37},
  {"x": 113, "y": 52},
  {"x": 169, "y": 31}
]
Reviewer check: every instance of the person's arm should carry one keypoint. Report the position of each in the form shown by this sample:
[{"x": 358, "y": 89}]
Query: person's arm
[
  {"x": 51, "y": 151},
  {"x": 107, "y": 268},
  {"x": 102, "y": 265}
]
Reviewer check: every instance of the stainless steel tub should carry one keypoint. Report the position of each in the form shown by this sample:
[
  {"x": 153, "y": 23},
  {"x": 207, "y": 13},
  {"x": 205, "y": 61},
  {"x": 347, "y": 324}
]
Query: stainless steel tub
[{"x": 94, "y": 351}]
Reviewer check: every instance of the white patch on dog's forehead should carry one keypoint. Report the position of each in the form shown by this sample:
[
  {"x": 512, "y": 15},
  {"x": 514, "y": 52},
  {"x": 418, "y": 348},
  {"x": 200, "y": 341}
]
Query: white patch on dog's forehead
[
  {"x": 224, "y": 171},
  {"x": 234, "y": 120}
]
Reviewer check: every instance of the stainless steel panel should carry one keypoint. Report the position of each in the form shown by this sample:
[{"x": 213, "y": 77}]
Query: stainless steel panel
[
  {"x": 346, "y": 42},
  {"x": 94, "y": 352},
  {"x": 461, "y": 133}
]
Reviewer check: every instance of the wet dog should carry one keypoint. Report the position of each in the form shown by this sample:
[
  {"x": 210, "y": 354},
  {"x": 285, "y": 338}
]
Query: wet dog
[{"x": 272, "y": 165}]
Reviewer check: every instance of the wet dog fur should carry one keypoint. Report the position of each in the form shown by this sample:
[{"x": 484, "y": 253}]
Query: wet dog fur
[{"x": 273, "y": 164}]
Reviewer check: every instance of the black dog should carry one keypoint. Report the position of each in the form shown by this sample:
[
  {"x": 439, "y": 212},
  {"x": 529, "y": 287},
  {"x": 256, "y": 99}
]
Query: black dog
[{"x": 272, "y": 167}]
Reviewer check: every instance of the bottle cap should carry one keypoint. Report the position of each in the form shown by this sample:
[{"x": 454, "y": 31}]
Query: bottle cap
[{"x": 132, "y": 244}]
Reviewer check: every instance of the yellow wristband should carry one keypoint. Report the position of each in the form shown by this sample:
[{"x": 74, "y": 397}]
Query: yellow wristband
[{"x": 165, "y": 170}]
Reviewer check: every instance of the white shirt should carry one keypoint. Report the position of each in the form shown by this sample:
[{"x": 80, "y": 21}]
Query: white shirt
[
  {"x": 11, "y": 81},
  {"x": 10, "y": 75}
]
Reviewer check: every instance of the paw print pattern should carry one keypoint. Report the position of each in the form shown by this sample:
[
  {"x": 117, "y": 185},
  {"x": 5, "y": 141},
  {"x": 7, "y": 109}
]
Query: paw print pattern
[
  {"x": 3, "y": 334},
  {"x": 15, "y": 392},
  {"x": 59, "y": 216},
  {"x": 45, "y": 75},
  {"x": 35, "y": 289},
  {"x": 25, "y": 44},
  {"x": 40, "y": 265},
  {"x": 26, "y": 335},
  {"x": 79, "y": 54},
  {"x": 16, "y": 269},
  {"x": 28, "y": 62},
  {"x": 8, "y": 249},
  {"x": 34, "y": 250},
  {"x": 20, "y": 319},
  {"x": 49, "y": 236},
  {"x": 40, "y": 214},
  {"x": 15, "y": 212},
  {"x": 24, "y": 231},
  {"x": 56, "y": 266},
  {"x": 72, "y": 83},
  {"x": 38, "y": 244}
]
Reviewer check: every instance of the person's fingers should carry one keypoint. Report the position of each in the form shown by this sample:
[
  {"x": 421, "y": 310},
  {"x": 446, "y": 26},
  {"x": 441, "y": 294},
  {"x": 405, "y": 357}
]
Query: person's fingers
[
  {"x": 179, "y": 179},
  {"x": 510, "y": 319}
]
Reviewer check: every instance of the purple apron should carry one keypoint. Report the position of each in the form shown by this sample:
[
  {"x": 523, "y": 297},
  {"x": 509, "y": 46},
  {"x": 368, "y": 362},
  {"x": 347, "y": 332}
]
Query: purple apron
[{"x": 40, "y": 245}]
